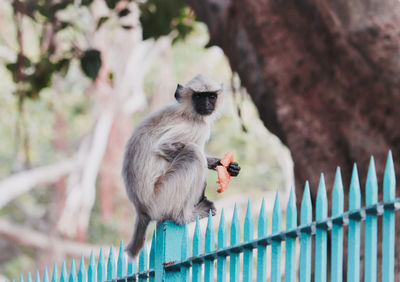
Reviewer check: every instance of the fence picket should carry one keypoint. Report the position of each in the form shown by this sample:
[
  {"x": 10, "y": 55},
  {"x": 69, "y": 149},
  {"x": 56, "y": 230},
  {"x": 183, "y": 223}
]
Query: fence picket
[
  {"x": 221, "y": 259},
  {"x": 235, "y": 239},
  {"x": 262, "y": 248},
  {"x": 248, "y": 253},
  {"x": 337, "y": 230},
  {"x": 54, "y": 277},
  {"x": 64, "y": 275},
  {"x": 82, "y": 271},
  {"x": 321, "y": 233},
  {"x": 197, "y": 248},
  {"x": 91, "y": 272},
  {"x": 143, "y": 260},
  {"x": 388, "y": 232},
  {"x": 353, "y": 248},
  {"x": 290, "y": 251},
  {"x": 121, "y": 261},
  {"x": 276, "y": 243},
  {"x": 29, "y": 278},
  {"x": 111, "y": 271},
  {"x": 45, "y": 275},
  {"x": 132, "y": 267},
  {"x": 305, "y": 237},
  {"x": 37, "y": 277},
  {"x": 21, "y": 278},
  {"x": 185, "y": 253},
  {"x": 101, "y": 268},
  {"x": 371, "y": 225},
  {"x": 72, "y": 272},
  {"x": 152, "y": 260},
  {"x": 209, "y": 247}
]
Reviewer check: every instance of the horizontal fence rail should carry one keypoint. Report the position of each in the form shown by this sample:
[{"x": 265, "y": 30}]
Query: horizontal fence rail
[{"x": 169, "y": 257}]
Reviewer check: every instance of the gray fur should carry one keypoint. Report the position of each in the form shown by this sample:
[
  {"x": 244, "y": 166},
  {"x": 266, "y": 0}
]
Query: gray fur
[{"x": 164, "y": 167}]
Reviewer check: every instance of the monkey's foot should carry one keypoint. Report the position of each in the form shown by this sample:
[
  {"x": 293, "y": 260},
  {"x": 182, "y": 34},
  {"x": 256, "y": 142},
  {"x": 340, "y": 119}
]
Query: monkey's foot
[{"x": 203, "y": 208}]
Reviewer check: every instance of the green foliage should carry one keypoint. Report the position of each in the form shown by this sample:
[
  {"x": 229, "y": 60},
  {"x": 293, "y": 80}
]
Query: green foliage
[{"x": 160, "y": 17}]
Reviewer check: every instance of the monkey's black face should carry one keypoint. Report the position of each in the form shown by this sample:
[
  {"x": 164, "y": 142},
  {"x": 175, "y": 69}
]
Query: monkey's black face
[{"x": 204, "y": 102}]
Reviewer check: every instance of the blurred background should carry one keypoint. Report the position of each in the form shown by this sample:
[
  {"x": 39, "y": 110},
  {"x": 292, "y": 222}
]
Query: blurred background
[{"x": 316, "y": 81}]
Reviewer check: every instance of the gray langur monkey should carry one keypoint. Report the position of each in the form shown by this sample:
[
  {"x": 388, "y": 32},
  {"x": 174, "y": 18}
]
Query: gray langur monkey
[{"x": 164, "y": 167}]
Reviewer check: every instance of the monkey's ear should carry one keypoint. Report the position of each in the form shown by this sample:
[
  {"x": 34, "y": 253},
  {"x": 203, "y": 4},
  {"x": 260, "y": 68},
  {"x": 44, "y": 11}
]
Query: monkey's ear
[{"x": 178, "y": 92}]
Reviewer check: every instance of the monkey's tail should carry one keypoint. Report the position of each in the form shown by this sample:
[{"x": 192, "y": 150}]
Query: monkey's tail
[{"x": 139, "y": 235}]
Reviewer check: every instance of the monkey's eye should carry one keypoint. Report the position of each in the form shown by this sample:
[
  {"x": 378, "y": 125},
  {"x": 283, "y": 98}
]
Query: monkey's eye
[
  {"x": 213, "y": 96},
  {"x": 197, "y": 95}
]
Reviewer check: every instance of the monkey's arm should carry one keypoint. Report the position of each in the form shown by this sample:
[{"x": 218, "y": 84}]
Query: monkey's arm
[
  {"x": 233, "y": 168},
  {"x": 169, "y": 151}
]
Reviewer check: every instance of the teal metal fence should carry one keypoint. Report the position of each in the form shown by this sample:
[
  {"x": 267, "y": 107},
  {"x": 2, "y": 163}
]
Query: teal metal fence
[{"x": 169, "y": 257}]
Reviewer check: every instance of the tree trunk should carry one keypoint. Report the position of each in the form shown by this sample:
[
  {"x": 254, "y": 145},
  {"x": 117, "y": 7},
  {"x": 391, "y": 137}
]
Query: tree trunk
[{"x": 324, "y": 75}]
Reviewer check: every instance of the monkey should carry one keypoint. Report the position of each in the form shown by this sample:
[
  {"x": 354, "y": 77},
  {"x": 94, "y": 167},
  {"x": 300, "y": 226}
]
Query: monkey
[{"x": 164, "y": 166}]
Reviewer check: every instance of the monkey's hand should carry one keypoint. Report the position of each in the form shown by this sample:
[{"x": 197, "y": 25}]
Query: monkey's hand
[
  {"x": 169, "y": 151},
  {"x": 233, "y": 169}
]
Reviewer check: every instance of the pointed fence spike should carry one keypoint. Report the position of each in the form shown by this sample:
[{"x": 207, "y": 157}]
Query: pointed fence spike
[
  {"x": 54, "y": 277},
  {"x": 29, "y": 279},
  {"x": 101, "y": 267},
  {"x": 248, "y": 236},
  {"x": 321, "y": 243},
  {"x": 305, "y": 237},
  {"x": 91, "y": 273},
  {"x": 276, "y": 244},
  {"x": 72, "y": 272},
  {"x": 64, "y": 275},
  {"x": 262, "y": 249},
  {"x": 111, "y": 269},
  {"x": 290, "y": 249},
  {"x": 337, "y": 229},
  {"x": 45, "y": 275},
  {"x": 221, "y": 260},
  {"x": 209, "y": 247},
  {"x": 185, "y": 253},
  {"x": 21, "y": 278},
  {"x": 353, "y": 242},
  {"x": 143, "y": 259},
  {"x": 37, "y": 277},
  {"x": 121, "y": 261},
  {"x": 388, "y": 230},
  {"x": 371, "y": 225},
  {"x": 197, "y": 248},
  {"x": 235, "y": 239},
  {"x": 152, "y": 260},
  {"x": 82, "y": 270}
]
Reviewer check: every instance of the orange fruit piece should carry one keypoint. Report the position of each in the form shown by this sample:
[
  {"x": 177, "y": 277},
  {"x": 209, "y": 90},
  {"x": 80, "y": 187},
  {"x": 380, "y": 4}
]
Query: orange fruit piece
[{"x": 223, "y": 175}]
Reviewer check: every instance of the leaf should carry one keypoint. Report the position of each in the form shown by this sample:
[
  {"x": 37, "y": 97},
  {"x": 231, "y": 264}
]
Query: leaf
[
  {"x": 62, "y": 66},
  {"x": 111, "y": 3},
  {"x": 123, "y": 12},
  {"x": 91, "y": 63},
  {"x": 101, "y": 21}
]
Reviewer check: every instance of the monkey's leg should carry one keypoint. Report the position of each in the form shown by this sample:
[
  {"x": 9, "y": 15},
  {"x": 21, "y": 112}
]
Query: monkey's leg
[{"x": 179, "y": 189}]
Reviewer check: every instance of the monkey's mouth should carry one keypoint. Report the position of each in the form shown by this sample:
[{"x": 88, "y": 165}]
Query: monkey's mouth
[{"x": 206, "y": 112}]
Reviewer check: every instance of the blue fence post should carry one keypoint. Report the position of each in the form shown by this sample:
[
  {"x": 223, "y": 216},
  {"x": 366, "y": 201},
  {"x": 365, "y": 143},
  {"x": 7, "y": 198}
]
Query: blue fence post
[
  {"x": 143, "y": 263},
  {"x": 37, "y": 277},
  {"x": 64, "y": 275},
  {"x": 388, "y": 232},
  {"x": 54, "y": 276},
  {"x": 111, "y": 271},
  {"x": 91, "y": 273},
  {"x": 167, "y": 232},
  {"x": 291, "y": 222},
  {"x": 276, "y": 243},
  {"x": 353, "y": 248},
  {"x": 152, "y": 260},
  {"x": 29, "y": 278},
  {"x": 248, "y": 253},
  {"x": 72, "y": 272},
  {"x": 82, "y": 271},
  {"x": 197, "y": 248},
  {"x": 209, "y": 247},
  {"x": 45, "y": 275},
  {"x": 337, "y": 230},
  {"x": 185, "y": 253},
  {"x": 221, "y": 259},
  {"x": 121, "y": 261},
  {"x": 262, "y": 248},
  {"x": 371, "y": 225},
  {"x": 320, "y": 237},
  {"x": 235, "y": 239},
  {"x": 305, "y": 237}
]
